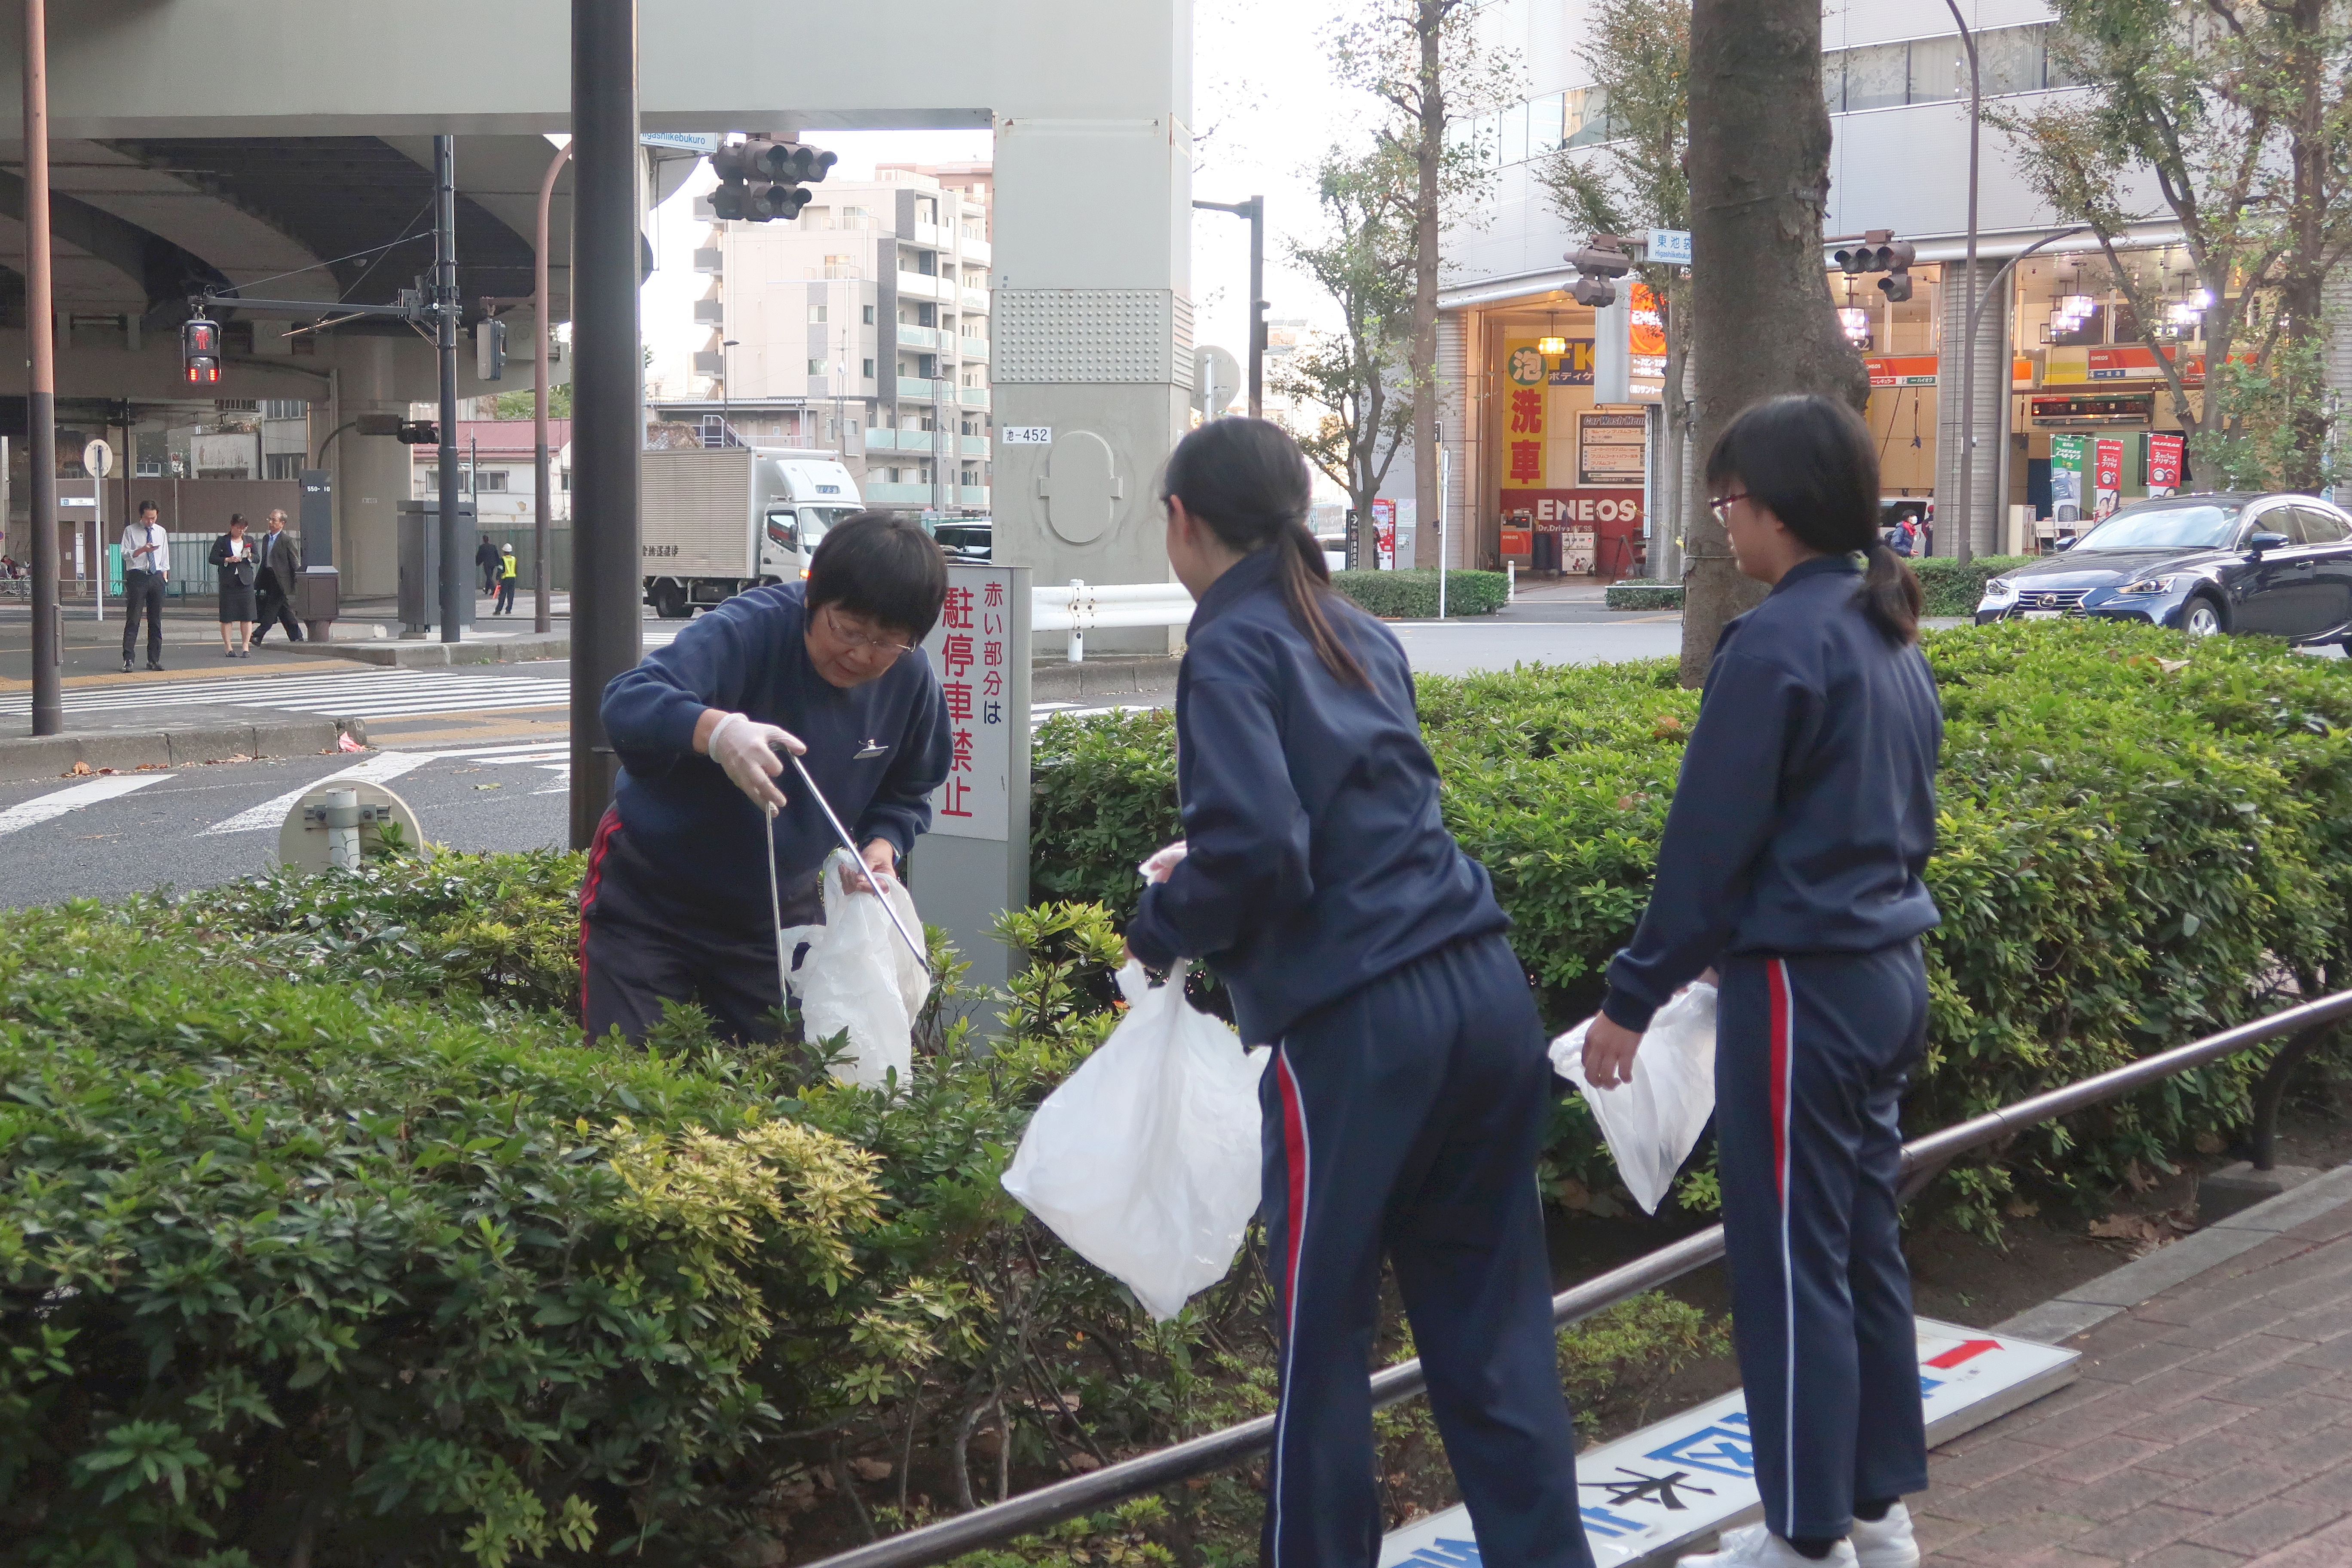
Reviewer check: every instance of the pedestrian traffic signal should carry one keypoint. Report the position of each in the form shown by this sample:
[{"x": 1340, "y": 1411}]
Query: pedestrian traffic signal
[
  {"x": 200, "y": 348},
  {"x": 419, "y": 433},
  {"x": 490, "y": 350},
  {"x": 761, "y": 178},
  {"x": 1597, "y": 265}
]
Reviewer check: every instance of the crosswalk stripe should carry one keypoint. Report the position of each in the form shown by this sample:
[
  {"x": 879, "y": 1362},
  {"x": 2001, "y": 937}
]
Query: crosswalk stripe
[
  {"x": 57, "y": 803},
  {"x": 382, "y": 768}
]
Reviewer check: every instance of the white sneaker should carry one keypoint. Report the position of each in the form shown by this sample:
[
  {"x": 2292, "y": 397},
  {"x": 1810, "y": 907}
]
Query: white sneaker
[
  {"x": 1754, "y": 1546},
  {"x": 1888, "y": 1543}
]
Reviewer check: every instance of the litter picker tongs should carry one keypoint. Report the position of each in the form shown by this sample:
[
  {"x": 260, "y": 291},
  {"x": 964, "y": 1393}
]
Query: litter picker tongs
[{"x": 851, "y": 845}]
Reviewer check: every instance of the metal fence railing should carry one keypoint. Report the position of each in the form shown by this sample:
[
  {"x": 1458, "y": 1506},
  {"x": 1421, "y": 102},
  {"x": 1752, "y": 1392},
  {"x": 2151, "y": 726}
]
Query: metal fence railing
[{"x": 1923, "y": 1160}]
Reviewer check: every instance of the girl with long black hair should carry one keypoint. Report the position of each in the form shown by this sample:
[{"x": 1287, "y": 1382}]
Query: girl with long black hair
[
  {"x": 1409, "y": 1087},
  {"x": 1792, "y": 862}
]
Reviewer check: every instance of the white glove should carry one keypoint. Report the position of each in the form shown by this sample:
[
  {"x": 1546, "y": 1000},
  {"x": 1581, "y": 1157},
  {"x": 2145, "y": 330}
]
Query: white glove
[
  {"x": 1162, "y": 862},
  {"x": 746, "y": 749}
]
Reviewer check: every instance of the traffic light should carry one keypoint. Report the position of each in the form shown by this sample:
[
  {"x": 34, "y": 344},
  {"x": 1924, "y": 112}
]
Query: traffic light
[
  {"x": 1880, "y": 251},
  {"x": 490, "y": 350},
  {"x": 419, "y": 433},
  {"x": 761, "y": 178},
  {"x": 1597, "y": 266},
  {"x": 200, "y": 349},
  {"x": 1896, "y": 258}
]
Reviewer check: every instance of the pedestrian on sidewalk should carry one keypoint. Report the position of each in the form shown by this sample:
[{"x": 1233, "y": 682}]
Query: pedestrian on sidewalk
[
  {"x": 508, "y": 567},
  {"x": 1791, "y": 861},
  {"x": 146, "y": 567},
  {"x": 274, "y": 583},
  {"x": 486, "y": 561},
  {"x": 234, "y": 555},
  {"x": 1409, "y": 1090}
]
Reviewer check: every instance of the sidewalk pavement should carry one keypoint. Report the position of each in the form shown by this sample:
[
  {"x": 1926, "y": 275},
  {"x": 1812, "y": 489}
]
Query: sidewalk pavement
[{"x": 2212, "y": 1424}]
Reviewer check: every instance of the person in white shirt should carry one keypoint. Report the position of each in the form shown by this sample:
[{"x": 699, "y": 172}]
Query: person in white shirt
[{"x": 146, "y": 567}]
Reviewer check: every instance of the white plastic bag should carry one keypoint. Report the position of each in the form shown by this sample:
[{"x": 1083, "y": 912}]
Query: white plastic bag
[
  {"x": 1652, "y": 1123},
  {"x": 1145, "y": 1159},
  {"x": 859, "y": 974}
]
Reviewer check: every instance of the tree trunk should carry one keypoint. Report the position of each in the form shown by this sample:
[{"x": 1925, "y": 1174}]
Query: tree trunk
[
  {"x": 1428, "y": 153},
  {"x": 1763, "y": 322}
]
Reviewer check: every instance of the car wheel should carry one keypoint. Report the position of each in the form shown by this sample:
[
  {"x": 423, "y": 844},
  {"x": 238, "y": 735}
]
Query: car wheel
[
  {"x": 2201, "y": 617},
  {"x": 670, "y": 601}
]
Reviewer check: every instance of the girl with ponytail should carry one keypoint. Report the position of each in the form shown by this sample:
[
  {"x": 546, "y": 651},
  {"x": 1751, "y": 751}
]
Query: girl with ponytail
[
  {"x": 1409, "y": 1087},
  {"x": 1791, "y": 865}
]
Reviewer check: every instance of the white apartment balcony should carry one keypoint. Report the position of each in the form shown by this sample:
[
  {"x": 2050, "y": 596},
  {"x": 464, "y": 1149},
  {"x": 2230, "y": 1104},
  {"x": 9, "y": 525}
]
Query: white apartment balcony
[
  {"x": 974, "y": 252},
  {"x": 923, "y": 286},
  {"x": 973, "y": 300},
  {"x": 930, "y": 340},
  {"x": 972, "y": 349}
]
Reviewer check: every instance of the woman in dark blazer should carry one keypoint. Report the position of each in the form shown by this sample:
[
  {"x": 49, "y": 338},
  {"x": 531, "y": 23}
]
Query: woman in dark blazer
[{"x": 239, "y": 561}]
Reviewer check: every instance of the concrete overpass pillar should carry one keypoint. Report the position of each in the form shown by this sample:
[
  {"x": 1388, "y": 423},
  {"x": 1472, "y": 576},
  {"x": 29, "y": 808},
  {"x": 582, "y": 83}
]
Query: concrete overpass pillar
[
  {"x": 371, "y": 473},
  {"x": 1092, "y": 357}
]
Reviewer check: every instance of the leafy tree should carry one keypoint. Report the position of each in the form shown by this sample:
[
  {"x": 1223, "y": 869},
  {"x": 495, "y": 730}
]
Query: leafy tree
[
  {"x": 1357, "y": 377},
  {"x": 1638, "y": 54},
  {"x": 2239, "y": 111},
  {"x": 1763, "y": 322},
  {"x": 1421, "y": 58},
  {"x": 518, "y": 404}
]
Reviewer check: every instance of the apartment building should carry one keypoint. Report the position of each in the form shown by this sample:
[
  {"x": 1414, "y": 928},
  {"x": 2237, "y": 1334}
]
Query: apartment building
[{"x": 864, "y": 326}]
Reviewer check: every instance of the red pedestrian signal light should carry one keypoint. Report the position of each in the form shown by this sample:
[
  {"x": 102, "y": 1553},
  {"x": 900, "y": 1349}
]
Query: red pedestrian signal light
[{"x": 200, "y": 350}]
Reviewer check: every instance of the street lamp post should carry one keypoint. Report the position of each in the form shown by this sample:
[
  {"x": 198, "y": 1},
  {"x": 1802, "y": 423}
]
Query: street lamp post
[
  {"x": 1253, "y": 209},
  {"x": 543, "y": 614}
]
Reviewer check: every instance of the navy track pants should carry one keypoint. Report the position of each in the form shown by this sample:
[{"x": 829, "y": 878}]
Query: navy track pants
[
  {"x": 1813, "y": 1053},
  {"x": 1405, "y": 1117}
]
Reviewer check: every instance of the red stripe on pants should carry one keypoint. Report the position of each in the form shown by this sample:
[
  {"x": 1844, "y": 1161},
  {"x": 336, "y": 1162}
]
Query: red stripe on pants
[{"x": 596, "y": 847}]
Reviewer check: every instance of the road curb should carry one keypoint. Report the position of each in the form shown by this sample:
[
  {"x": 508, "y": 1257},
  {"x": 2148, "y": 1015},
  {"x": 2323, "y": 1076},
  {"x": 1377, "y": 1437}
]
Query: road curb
[
  {"x": 2094, "y": 1301},
  {"x": 1101, "y": 678},
  {"x": 126, "y": 751},
  {"x": 392, "y": 655}
]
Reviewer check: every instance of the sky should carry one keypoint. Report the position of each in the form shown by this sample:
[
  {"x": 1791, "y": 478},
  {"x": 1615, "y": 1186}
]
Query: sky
[{"x": 1264, "y": 107}]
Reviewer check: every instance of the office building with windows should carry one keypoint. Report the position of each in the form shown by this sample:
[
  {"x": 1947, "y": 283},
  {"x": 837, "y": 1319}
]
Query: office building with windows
[{"x": 862, "y": 327}]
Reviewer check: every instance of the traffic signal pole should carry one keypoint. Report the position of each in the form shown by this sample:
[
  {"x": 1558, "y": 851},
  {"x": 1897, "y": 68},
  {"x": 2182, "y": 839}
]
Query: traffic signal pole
[
  {"x": 456, "y": 571},
  {"x": 1253, "y": 210},
  {"x": 607, "y": 389},
  {"x": 542, "y": 488},
  {"x": 41, "y": 388}
]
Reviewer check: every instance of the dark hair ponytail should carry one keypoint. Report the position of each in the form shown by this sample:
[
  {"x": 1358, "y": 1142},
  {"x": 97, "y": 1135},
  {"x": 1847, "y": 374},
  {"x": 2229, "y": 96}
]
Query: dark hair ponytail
[
  {"x": 1246, "y": 480},
  {"x": 1810, "y": 461}
]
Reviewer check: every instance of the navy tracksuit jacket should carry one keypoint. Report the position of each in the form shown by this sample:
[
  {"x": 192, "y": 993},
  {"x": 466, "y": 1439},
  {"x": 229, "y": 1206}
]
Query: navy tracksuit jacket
[
  {"x": 1409, "y": 1087},
  {"x": 675, "y": 903},
  {"x": 1791, "y": 861}
]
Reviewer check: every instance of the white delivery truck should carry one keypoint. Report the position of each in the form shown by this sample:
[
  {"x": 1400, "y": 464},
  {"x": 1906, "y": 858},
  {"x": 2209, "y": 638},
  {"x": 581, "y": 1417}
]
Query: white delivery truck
[{"x": 717, "y": 521}]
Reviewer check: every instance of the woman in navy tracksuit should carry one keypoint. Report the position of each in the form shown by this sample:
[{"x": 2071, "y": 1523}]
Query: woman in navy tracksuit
[
  {"x": 1791, "y": 861},
  {"x": 1408, "y": 1087}
]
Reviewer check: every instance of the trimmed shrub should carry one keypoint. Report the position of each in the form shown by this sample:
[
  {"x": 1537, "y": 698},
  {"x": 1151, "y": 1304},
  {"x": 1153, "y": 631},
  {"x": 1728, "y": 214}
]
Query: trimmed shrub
[
  {"x": 1949, "y": 588},
  {"x": 2142, "y": 841},
  {"x": 1643, "y": 594},
  {"x": 1413, "y": 595}
]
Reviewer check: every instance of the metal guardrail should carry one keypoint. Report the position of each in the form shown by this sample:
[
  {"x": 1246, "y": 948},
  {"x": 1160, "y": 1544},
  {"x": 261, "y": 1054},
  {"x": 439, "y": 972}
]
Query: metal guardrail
[
  {"x": 1923, "y": 1160},
  {"x": 1085, "y": 607}
]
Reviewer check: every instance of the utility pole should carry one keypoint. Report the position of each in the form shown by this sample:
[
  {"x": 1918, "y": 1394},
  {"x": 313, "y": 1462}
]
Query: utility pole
[
  {"x": 542, "y": 488},
  {"x": 1253, "y": 209},
  {"x": 607, "y": 389},
  {"x": 1967, "y": 519},
  {"x": 41, "y": 390},
  {"x": 455, "y": 568}
]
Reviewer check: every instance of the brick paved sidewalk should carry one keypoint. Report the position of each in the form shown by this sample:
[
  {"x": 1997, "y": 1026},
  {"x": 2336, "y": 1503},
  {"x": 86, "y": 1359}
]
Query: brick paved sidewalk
[{"x": 2211, "y": 1427}]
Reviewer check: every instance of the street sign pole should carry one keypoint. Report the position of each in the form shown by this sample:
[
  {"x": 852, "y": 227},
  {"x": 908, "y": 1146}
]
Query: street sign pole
[{"x": 456, "y": 564}]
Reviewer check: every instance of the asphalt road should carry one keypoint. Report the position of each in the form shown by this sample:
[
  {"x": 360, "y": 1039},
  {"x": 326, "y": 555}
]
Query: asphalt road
[{"x": 479, "y": 752}]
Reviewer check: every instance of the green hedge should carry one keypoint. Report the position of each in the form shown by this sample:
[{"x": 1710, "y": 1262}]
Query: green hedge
[
  {"x": 1643, "y": 594},
  {"x": 2141, "y": 841},
  {"x": 1413, "y": 595},
  {"x": 1951, "y": 589}
]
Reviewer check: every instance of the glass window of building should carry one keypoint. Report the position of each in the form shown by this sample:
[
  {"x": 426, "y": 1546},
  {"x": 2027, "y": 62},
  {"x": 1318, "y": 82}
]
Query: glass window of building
[
  {"x": 1878, "y": 77},
  {"x": 1586, "y": 118},
  {"x": 2009, "y": 60},
  {"x": 817, "y": 314},
  {"x": 869, "y": 315},
  {"x": 1512, "y": 142},
  {"x": 1546, "y": 122},
  {"x": 1939, "y": 70},
  {"x": 816, "y": 367},
  {"x": 1834, "y": 80}
]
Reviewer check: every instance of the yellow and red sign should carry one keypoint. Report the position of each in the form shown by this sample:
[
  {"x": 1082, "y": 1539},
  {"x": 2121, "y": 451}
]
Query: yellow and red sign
[{"x": 1902, "y": 370}]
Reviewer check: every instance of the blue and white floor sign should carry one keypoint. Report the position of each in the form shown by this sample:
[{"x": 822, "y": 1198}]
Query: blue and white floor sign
[{"x": 1659, "y": 1490}]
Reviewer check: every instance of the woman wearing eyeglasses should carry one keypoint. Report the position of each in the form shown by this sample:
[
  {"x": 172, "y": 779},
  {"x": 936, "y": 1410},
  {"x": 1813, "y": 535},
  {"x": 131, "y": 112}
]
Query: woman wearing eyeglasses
[
  {"x": 674, "y": 906},
  {"x": 1792, "y": 862}
]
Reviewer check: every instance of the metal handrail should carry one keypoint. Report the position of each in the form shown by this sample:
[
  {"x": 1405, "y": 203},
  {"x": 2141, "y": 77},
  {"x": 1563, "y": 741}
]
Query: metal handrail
[{"x": 1215, "y": 1451}]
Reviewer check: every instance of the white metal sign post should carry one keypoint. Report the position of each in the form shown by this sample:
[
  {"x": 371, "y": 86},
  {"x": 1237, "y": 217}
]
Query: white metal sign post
[
  {"x": 1650, "y": 1496},
  {"x": 973, "y": 864}
]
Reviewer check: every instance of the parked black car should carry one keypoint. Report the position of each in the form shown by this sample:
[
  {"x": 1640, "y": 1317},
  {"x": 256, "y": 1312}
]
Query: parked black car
[
  {"x": 2277, "y": 564},
  {"x": 967, "y": 543}
]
